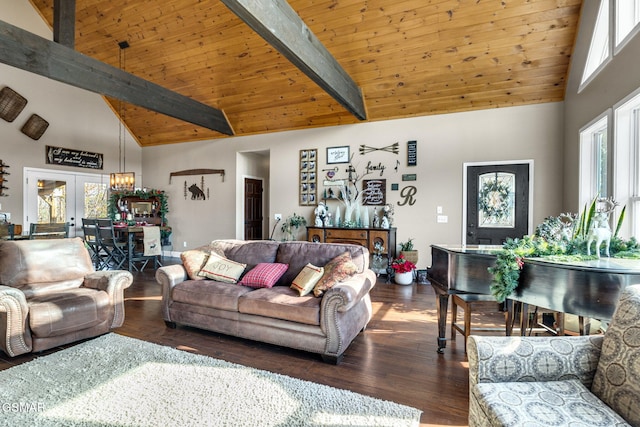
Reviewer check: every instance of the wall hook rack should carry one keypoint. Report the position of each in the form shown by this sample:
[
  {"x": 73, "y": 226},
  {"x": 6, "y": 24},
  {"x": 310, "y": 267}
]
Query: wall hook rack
[{"x": 197, "y": 172}]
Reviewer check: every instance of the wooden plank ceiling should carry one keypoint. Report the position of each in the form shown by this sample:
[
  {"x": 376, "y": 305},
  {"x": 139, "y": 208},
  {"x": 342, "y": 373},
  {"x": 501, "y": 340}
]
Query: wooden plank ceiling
[{"x": 409, "y": 57}]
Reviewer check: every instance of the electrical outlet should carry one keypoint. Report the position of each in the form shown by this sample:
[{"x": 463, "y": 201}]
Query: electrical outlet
[
  {"x": 184, "y": 244},
  {"x": 5, "y": 217},
  {"x": 278, "y": 217}
]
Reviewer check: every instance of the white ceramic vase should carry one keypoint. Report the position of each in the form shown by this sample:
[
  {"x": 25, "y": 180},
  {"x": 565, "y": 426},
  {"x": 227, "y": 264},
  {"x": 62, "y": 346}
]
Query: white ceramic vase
[{"x": 404, "y": 278}]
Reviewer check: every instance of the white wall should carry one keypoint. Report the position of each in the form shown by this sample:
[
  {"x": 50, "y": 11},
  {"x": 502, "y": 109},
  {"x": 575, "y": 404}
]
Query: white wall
[
  {"x": 78, "y": 119},
  {"x": 445, "y": 142}
]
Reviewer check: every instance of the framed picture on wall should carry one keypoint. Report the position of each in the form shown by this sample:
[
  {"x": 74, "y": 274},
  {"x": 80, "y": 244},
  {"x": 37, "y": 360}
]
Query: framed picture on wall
[
  {"x": 374, "y": 192},
  {"x": 337, "y": 155},
  {"x": 308, "y": 169}
]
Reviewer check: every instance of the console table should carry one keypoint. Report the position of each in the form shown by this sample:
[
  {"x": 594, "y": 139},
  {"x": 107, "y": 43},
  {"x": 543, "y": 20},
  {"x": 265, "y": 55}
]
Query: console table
[{"x": 367, "y": 237}]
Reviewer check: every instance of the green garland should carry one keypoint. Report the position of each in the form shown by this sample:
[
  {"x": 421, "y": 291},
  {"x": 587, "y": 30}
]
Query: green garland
[
  {"x": 551, "y": 244},
  {"x": 144, "y": 195},
  {"x": 510, "y": 260}
]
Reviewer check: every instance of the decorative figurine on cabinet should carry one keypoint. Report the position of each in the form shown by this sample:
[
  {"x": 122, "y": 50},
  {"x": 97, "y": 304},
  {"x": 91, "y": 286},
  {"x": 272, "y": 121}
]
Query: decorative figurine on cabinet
[{"x": 321, "y": 215}]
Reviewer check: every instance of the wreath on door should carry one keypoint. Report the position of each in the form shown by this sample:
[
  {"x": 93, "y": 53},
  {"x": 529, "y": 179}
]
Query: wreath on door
[{"x": 494, "y": 200}]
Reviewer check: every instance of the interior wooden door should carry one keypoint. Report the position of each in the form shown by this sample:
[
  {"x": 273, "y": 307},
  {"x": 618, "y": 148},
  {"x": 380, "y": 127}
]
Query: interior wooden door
[
  {"x": 497, "y": 203},
  {"x": 253, "y": 209}
]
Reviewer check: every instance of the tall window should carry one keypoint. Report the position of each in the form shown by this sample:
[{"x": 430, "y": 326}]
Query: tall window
[
  {"x": 599, "y": 51},
  {"x": 627, "y": 161},
  {"x": 594, "y": 160},
  {"x": 627, "y": 19}
]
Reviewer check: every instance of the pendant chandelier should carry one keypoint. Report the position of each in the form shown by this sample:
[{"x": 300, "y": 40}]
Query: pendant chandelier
[{"x": 122, "y": 181}]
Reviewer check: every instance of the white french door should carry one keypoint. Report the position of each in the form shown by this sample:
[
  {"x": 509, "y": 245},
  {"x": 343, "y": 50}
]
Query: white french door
[{"x": 54, "y": 196}]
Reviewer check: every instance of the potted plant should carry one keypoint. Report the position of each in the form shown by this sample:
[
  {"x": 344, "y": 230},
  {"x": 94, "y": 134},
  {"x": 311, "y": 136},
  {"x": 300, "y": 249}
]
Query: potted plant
[
  {"x": 403, "y": 269},
  {"x": 406, "y": 249},
  {"x": 291, "y": 225}
]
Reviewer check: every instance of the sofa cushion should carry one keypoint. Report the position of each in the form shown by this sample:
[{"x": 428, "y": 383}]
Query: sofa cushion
[
  {"x": 617, "y": 378},
  {"x": 264, "y": 275},
  {"x": 222, "y": 269},
  {"x": 307, "y": 279},
  {"x": 281, "y": 302},
  {"x": 552, "y": 403},
  {"x": 335, "y": 271},
  {"x": 209, "y": 293},
  {"x": 34, "y": 265},
  {"x": 60, "y": 313},
  {"x": 250, "y": 252},
  {"x": 193, "y": 260},
  {"x": 298, "y": 254}
]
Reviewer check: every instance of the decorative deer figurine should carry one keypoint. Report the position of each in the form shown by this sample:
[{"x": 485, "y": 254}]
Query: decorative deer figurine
[{"x": 600, "y": 230}]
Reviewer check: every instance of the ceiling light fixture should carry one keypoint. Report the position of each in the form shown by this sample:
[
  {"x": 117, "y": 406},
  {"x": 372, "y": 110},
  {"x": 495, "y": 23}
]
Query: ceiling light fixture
[{"x": 122, "y": 181}]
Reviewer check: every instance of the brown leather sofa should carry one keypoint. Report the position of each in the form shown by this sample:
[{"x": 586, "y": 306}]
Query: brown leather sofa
[
  {"x": 51, "y": 295},
  {"x": 324, "y": 325}
]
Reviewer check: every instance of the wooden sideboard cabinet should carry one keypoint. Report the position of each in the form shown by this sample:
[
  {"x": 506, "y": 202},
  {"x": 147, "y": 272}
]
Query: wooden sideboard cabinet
[
  {"x": 367, "y": 237},
  {"x": 143, "y": 209}
]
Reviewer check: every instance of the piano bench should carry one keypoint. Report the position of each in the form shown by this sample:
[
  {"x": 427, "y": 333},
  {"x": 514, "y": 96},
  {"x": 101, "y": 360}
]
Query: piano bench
[{"x": 471, "y": 303}]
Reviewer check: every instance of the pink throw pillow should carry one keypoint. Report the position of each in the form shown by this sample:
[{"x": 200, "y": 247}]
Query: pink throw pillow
[{"x": 264, "y": 275}]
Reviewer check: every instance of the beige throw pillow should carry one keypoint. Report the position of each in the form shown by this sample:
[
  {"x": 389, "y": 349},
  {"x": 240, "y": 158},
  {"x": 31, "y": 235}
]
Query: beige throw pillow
[
  {"x": 222, "y": 269},
  {"x": 307, "y": 279}
]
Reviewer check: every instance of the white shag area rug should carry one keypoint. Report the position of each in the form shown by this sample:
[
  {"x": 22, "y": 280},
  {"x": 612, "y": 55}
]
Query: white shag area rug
[{"x": 114, "y": 380}]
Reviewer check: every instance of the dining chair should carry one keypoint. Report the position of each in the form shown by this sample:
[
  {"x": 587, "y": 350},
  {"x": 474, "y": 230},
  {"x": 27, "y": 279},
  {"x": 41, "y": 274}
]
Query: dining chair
[
  {"x": 48, "y": 230},
  {"x": 151, "y": 249},
  {"x": 7, "y": 231},
  {"x": 115, "y": 249},
  {"x": 92, "y": 242}
]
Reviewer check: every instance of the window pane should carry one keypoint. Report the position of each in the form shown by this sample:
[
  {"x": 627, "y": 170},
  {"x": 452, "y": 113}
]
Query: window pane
[
  {"x": 496, "y": 200},
  {"x": 627, "y": 17},
  {"x": 599, "y": 48},
  {"x": 95, "y": 200},
  {"x": 594, "y": 161},
  {"x": 52, "y": 201},
  {"x": 600, "y": 151}
]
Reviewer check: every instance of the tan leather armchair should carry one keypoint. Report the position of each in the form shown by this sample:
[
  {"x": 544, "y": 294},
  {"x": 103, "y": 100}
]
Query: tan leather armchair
[{"x": 51, "y": 295}]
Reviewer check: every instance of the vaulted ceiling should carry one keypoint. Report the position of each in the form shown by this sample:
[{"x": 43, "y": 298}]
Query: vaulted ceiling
[{"x": 409, "y": 58}]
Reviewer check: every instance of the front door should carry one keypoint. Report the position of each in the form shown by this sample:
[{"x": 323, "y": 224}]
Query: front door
[
  {"x": 252, "y": 209},
  {"x": 497, "y": 202},
  {"x": 56, "y": 197}
]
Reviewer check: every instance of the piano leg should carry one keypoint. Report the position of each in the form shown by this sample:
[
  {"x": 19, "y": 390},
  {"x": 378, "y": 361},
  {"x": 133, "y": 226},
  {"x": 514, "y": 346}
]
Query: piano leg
[
  {"x": 511, "y": 316},
  {"x": 524, "y": 318},
  {"x": 442, "y": 305}
]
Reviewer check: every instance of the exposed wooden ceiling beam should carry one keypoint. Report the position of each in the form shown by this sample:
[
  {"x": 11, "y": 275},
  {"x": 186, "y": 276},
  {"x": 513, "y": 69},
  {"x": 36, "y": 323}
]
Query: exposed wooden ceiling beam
[
  {"x": 277, "y": 23},
  {"x": 22, "y": 49},
  {"x": 64, "y": 22}
]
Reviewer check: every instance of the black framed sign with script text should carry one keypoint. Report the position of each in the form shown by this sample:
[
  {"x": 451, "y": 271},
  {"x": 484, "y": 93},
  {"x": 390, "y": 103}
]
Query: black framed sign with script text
[
  {"x": 76, "y": 158},
  {"x": 412, "y": 153}
]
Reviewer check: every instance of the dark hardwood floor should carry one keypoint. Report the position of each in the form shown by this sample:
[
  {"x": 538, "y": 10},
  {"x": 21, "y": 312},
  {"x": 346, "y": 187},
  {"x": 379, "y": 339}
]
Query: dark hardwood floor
[{"x": 394, "y": 359}]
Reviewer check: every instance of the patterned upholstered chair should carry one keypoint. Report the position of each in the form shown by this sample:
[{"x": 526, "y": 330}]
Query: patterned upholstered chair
[{"x": 582, "y": 381}]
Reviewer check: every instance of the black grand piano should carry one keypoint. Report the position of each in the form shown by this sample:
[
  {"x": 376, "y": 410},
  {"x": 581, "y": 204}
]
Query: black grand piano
[{"x": 586, "y": 288}]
